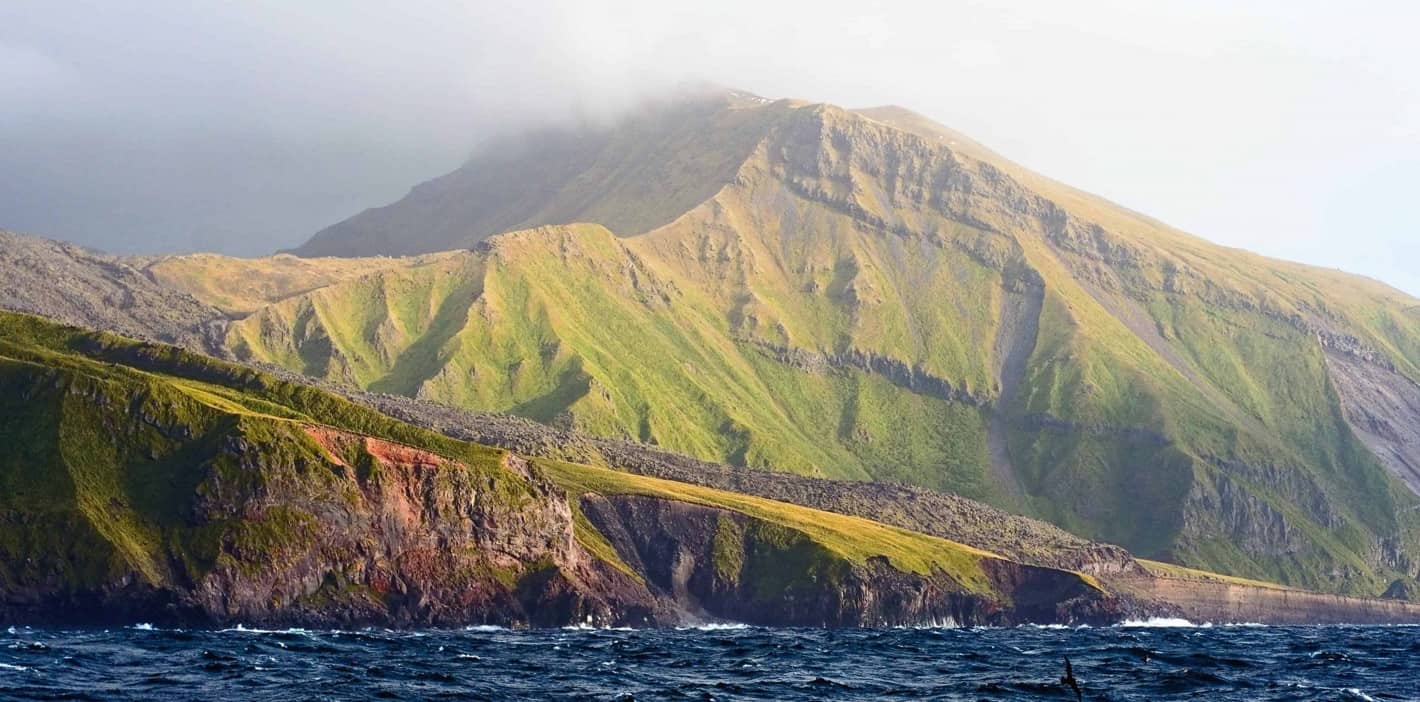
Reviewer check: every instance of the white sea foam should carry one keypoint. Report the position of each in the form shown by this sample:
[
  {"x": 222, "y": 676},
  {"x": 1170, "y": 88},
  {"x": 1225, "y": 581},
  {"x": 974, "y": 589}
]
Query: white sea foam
[
  {"x": 143, "y": 626},
  {"x": 17, "y": 668},
  {"x": 1163, "y": 623},
  {"x": 947, "y": 623},
  {"x": 1176, "y": 623},
  {"x": 485, "y": 628},
  {"x": 714, "y": 626},
  {"x": 239, "y": 629}
]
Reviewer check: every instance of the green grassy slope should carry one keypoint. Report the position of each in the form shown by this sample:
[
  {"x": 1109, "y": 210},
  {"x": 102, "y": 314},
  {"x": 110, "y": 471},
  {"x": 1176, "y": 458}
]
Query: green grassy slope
[
  {"x": 869, "y": 295},
  {"x": 569, "y": 323},
  {"x": 113, "y": 442}
]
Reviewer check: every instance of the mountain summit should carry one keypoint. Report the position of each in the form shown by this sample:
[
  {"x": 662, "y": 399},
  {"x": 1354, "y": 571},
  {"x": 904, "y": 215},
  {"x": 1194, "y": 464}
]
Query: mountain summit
[
  {"x": 867, "y": 294},
  {"x": 632, "y": 177}
]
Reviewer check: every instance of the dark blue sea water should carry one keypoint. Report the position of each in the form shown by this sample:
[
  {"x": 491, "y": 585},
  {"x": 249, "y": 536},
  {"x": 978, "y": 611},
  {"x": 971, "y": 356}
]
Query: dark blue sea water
[{"x": 1116, "y": 663}]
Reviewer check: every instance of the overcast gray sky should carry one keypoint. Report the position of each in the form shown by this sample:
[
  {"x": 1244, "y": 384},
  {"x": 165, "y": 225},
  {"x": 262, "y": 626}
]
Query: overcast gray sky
[{"x": 1289, "y": 128}]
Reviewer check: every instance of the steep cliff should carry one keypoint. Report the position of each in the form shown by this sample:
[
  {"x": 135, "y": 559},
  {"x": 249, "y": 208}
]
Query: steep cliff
[{"x": 145, "y": 482}]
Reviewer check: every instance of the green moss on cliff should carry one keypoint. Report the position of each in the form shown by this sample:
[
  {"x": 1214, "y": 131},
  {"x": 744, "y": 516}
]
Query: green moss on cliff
[
  {"x": 783, "y": 564},
  {"x": 728, "y": 550}
]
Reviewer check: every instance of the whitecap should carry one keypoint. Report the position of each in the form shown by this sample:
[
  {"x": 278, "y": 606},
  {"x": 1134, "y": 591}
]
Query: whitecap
[
  {"x": 19, "y": 668},
  {"x": 143, "y": 626},
  {"x": 239, "y": 629},
  {"x": 714, "y": 626},
  {"x": 485, "y": 628},
  {"x": 947, "y": 623},
  {"x": 1163, "y": 623},
  {"x": 590, "y": 627}
]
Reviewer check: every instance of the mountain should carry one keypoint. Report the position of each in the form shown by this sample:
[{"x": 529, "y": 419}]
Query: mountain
[
  {"x": 143, "y": 481},
  {"x": 635, "y": 177},
  {"x": 865, "y": 294}
]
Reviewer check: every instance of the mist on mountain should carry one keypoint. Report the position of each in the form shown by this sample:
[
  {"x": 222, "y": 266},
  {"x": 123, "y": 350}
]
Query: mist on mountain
[{"x": 244, "y": 128}]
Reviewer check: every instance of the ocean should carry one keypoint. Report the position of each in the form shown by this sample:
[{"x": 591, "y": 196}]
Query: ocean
[{"x": 1155, "y": 660}]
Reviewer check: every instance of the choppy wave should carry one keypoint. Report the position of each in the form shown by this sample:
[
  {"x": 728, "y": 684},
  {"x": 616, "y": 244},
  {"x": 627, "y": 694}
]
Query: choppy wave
[{"x": 1149, "y": 660}]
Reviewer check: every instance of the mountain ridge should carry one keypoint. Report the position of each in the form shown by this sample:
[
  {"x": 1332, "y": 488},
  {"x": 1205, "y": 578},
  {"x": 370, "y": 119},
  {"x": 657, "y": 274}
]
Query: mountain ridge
[
  {"x": 858, "y": 300},
  {"x": 1125, "y": 304}
]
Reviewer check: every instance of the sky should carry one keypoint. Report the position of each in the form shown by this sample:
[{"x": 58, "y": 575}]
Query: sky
[{"x": 1288, "y": 128}]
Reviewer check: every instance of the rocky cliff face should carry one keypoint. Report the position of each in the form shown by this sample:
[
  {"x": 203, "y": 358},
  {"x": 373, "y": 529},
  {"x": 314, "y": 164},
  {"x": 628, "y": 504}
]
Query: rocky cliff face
[
  {"x": 416, "y": 540},
  {"x": 1138, "y": 591},
  {"x": 1383, "y": 407},
  {"x": 144, "y": 483},
  {"x": 946, "y": 515},
  {"x": 720, "y": 565},
  {"x": 218, "y": 519}
]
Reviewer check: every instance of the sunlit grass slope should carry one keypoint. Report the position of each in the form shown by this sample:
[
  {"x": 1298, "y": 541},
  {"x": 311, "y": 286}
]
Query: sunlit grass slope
[{"x": 110, "y": 441}]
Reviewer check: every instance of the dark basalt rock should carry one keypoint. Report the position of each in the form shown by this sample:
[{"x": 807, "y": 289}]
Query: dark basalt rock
[{"x": 717, "y": 564}]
